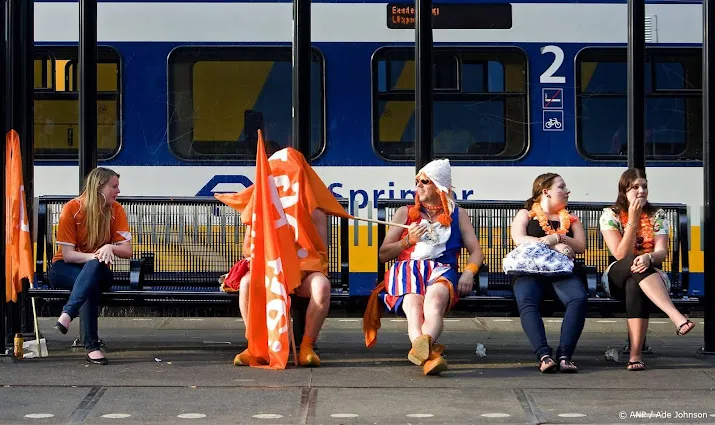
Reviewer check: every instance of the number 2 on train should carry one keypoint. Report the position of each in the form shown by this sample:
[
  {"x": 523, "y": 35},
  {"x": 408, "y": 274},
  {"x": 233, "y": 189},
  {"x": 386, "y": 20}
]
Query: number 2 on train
[{"x": 548, "y": 76}]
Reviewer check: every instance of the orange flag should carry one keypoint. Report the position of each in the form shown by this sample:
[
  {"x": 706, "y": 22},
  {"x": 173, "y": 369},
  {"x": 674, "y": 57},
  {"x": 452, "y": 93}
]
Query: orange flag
[
  {"x": 301, "y": 191},
  {"x": 275, "y": 272},
  {"x": 18, "y": 243}
]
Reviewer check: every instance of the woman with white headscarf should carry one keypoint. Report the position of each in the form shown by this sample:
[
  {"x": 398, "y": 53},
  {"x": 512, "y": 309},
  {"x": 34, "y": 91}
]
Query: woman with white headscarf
[{"x": 424, "y": 281}]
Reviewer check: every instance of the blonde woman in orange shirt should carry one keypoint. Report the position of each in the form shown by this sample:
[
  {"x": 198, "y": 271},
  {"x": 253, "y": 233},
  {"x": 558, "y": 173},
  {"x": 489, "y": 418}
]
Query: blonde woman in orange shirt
[{"x": 93, "y": 229}]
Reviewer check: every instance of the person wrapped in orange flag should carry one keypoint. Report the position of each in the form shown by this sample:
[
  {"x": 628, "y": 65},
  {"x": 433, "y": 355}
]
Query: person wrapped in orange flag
[
  {"x": 306, "y": 202},
  {"x": 423, "y": 281}
]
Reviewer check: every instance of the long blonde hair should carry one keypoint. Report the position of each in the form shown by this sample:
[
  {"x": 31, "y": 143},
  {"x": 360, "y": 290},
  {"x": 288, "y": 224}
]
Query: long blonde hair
[{"x": 97, "y": 212}]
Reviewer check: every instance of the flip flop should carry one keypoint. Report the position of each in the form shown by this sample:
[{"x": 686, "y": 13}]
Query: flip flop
[
  {"x": 636, "y": 366},
  {"x": 688, "y": 329}
]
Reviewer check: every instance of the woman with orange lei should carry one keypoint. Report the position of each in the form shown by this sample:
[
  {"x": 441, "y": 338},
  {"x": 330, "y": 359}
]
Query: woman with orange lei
[
  {"x": 546, "y": 220},
  {"x": 424, "y": 282},
  {"x": 637, "y": 236}
]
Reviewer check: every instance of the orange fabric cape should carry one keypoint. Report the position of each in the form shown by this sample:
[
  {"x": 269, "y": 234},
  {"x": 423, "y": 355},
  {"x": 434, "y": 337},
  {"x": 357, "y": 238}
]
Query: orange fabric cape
[{"x": 301, "y": 192}]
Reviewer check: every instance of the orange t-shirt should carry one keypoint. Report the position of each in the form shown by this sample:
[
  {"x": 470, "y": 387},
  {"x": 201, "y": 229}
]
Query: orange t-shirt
[{"x": 72, "y": 229}]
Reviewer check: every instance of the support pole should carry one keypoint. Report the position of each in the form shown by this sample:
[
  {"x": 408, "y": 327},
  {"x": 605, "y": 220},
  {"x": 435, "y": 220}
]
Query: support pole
[
  {"x": 302, "y": 62},
  {"x": 87, "y": 88},
  {"x": 636, "y": 86},
  {"x": 424, "y": 138},
  {"x": 26, "y": 130},
  {"x": 18, "y": 106},
  {"x": 4, "y": 323},
  {"x": 708, "y": 158},
  {"x": 27, "y": 138}
]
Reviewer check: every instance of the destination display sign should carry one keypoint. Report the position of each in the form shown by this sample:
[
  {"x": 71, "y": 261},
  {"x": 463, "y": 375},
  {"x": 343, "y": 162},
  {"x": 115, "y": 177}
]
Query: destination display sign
[{"x": 453, "y": 16}]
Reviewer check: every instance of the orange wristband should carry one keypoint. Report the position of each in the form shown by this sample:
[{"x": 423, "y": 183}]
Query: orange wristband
[{"x": 472, "y": 268}]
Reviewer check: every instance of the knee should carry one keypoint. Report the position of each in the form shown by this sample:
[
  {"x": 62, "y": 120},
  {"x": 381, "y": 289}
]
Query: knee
[
  {"x": 97, "y": 269},
  {"x": 92, "y": 266},
  {"x": 320, "y": 290},
  {"x": 413, "y": 305},
  {"x": 633, "y": 289},
  {"x": 528, "y": 304},
  {"x": 244, "y": 284}
]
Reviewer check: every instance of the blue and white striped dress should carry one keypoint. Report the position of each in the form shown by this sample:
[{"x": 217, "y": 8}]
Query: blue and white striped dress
[{"x": 422, "y": 264}]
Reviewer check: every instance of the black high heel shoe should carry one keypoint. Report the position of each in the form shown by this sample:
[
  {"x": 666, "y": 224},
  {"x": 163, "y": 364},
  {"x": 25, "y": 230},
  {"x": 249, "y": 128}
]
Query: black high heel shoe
[
  {"x": 103, "y": 360},
  {"x": 59, "y": 326}
]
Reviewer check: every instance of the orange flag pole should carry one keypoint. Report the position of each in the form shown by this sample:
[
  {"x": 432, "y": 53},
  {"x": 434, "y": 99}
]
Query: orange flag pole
[
  {"x": 292, "y": 337},
  {"x": 387, "y": 223}
]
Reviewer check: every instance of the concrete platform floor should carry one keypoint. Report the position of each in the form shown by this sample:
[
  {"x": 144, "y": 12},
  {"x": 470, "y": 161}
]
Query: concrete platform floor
[{"x": 179, "y": 370}]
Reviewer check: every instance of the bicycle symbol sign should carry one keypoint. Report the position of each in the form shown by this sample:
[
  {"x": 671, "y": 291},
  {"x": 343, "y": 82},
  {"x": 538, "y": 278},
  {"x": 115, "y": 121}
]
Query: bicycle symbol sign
[{"x": 553, "y": 121}]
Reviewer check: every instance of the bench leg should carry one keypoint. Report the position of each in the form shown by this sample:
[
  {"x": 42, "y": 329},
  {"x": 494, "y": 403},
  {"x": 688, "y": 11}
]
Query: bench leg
[
  {"x": 77, "y": 343},
  {"x": 646, "y": 349}
]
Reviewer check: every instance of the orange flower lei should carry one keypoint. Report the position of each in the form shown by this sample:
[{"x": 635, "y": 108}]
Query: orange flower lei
[
  {"x": 564, "y": 220},
  {"x": 645, "y": 239}
]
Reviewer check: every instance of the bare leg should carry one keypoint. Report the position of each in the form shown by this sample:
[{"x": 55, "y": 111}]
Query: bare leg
[
  {"x": 412, "y": 304},
  {"x": 435, "y": 306},
  {"x": 316, "y": 287},
  {"x": 654, "y": 289},
  {"x": 436, "y": 301},
  {"x": 243, "y": 297},
  {"x": 637, "y": 329},
  {"x": 243, "y": 358}
]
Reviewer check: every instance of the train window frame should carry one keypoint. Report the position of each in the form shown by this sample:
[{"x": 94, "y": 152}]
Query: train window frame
[
  {"x": 461, "y": 54},
  {"x": 105, "y": 54},
  {"x": 692, "y": 152},
  {"x": 193, "y": 54}
]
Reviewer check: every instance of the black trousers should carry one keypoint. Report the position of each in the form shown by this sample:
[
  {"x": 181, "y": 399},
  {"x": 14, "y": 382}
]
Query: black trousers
[{"x": 625, "y": 286}]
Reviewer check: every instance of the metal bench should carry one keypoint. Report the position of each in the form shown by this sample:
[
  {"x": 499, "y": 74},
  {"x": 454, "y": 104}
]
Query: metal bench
[
  {"x": 492, "y": 223},
  {"x": 181, "y": 247}
]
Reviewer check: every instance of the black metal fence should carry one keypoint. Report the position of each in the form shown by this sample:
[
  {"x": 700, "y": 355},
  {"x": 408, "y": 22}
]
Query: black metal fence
[{"x": 492, "y": 223}]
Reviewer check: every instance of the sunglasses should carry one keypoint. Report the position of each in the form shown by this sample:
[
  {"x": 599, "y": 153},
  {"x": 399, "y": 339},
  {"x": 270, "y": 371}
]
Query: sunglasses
[{"x": 423, "y": 181}]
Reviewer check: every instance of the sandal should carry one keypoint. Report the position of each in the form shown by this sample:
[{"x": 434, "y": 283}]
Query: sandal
[
  {"x": 688, "y": 329},
  {"x": 547, "y": 364},
  {"x": 636, "y": 366},
  {"x": 567, "y": 366}
]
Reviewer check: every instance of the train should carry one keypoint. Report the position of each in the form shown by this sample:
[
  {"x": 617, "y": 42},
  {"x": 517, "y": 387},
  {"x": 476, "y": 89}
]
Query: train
[{"x": 520, "y": 88}]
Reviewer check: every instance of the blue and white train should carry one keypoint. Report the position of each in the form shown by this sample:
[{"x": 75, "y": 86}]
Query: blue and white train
[{"x": 521, "y": 88}]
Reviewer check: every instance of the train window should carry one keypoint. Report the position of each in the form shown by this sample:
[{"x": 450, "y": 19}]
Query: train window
[
  {"x": 219, "y": 96},
  {"x": 480, "y": 103},
  {"x": 673, "y": 89},
  {"x": 56, "y": 104},
  {"x": 483, "y": 77},
  {"x": 397, "y": 73}
]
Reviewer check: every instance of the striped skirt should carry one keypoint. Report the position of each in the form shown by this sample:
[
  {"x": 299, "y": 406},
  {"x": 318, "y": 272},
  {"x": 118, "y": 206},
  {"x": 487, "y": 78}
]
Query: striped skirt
[{"x": 413, "y": 277}]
